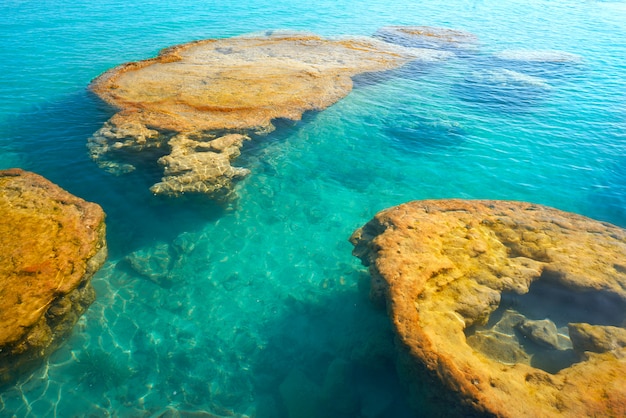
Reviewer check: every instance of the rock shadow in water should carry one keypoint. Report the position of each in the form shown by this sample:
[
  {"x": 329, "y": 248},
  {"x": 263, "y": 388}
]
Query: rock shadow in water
[
  {"x": 333, "y": 356},
  {"x": 418, "y": 134},
  {"x": 516, "y": 80},
  {"x": 59, "y": 153}
]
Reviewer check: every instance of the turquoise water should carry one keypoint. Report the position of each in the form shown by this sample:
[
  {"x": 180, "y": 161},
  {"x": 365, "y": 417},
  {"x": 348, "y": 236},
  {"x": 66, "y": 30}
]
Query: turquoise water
[{"x": 259, "y": 309}]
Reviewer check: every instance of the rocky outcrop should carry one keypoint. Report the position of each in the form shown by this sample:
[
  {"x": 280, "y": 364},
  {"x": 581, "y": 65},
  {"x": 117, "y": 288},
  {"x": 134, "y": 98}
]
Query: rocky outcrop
[
  {"x": 482, "y": 293},
  {"x": 52, "y": 243},
  {"x": 196, "y": 104}
]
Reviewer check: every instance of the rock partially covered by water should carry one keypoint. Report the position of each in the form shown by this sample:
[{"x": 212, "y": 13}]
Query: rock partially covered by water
[
  {"x": 546, "y": 56},
  {"x": 455, "y": 275},
  {"x": 195, "y": 104},
  {"x": 428, "y": 37},
  {"x": 597, "y": 339},
  {"x": 540, "y": 331},
  {"x": 52, "y": 243}
]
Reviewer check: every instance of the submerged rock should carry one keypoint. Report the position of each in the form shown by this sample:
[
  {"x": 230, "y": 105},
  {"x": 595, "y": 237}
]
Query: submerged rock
[
  {"x": 502, "y": 87},
  {"x": 546, "y": 56},
  {"x": 195, "y": 104},
  {"x": 507, "y": 79},
  {"x": 428, "y": 37},
  {"x": 156, "y": 262},
  {"x": 541, "y": 332},
  {"x": 538, "y": 69},
  {"x": 52, "y": 243},
  {"x": 498, "y": 346},
  {"x": 597, "y": 339},
  {"x": 430, "y": 260}
]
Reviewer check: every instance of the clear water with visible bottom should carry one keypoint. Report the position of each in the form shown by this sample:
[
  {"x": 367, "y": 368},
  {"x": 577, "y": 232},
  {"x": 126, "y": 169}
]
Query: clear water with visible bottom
[{"x": 260, "y": 309}]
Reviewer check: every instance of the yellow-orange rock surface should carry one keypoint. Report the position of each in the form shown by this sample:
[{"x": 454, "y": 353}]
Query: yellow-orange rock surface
[
  {"x": 188, "y": 97},
  {"x": 444, "y": 266},
  {"x": 51, "y": 243}
]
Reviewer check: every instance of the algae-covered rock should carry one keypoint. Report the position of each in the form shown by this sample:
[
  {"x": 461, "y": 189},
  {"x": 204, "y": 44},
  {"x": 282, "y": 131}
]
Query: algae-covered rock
[
  {"x": 52, "y": 243},
  {"x": 430, "y": 261}
]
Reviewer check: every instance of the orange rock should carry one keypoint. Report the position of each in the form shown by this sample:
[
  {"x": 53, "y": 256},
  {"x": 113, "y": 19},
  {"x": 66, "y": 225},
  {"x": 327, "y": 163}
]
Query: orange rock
[
  {"x": 443, "y": 268},
  {"x": 52, "y": 243},
  {"x": 192, "y": 94}
]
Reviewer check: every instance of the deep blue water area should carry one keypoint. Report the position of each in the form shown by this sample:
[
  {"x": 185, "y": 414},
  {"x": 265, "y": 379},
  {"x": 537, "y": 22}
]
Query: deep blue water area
[{"x": 258, "y": 308}]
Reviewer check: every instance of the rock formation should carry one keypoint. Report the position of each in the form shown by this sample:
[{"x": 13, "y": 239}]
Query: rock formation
[
  {"x": 156, "y": 262},
  {"x": 451, "y": 270},
  {"x": 52, "y": 243},
  {"x": 196, "y": 104}
]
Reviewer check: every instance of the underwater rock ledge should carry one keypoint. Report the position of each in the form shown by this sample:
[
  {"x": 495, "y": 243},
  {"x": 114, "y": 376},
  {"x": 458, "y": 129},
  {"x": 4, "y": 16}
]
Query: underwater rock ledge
[
  {"x": 52, "y": 243},
  {"x": 443, "y": 268},
  {"x": 196, "y": 104}
]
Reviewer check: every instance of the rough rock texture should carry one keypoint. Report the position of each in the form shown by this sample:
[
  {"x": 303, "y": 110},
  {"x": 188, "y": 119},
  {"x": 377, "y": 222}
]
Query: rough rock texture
[
  {"x": 599, "y": 339},
  {"x": 442, "y": 267},
  {"x": 541, "y": 331},
  {"x": 157, "y": 261},
  {"x": 196, "y": 104},
  {"x": 52, "y": 243}
]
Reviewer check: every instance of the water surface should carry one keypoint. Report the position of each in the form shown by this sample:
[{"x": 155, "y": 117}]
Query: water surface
[{"x": 259, "y": 309}]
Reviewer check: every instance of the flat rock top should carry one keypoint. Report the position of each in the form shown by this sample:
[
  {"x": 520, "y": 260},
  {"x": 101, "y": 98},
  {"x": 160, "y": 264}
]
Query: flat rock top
[
  {"x": 443, "y": 267},
  {"x": 192, "y": 94},
  {"x": 46, "y": 236},
  {"x": 242, "y": 82}
]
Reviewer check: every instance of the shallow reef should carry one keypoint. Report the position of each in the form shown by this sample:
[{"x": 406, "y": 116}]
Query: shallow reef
[
  {"x": 195, "y": 105},
  {"x": 516, "y": 309}
]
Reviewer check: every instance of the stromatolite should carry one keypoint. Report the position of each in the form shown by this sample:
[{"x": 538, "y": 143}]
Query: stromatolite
[
  {"x": 451, "y": 269},
  {"x": 52, "y": 243},
  {"x": 196, "y": 104}
]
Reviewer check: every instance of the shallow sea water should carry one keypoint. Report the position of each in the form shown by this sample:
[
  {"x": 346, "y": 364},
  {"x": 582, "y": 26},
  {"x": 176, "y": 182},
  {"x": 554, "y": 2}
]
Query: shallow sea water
[{"x": 259, "y": 308}]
